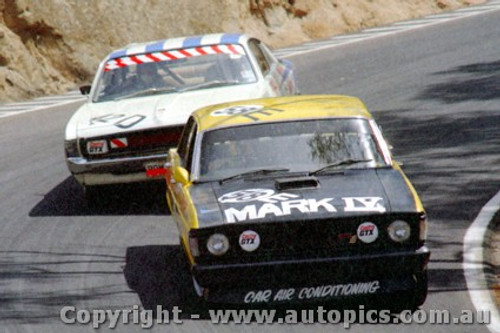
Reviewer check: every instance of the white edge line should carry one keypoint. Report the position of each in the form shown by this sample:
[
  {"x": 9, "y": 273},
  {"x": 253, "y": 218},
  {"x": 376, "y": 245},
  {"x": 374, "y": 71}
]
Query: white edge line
[
  {"x": 409, "y": 28},
  {"x": 473, "y": 263},
  {"x": 14, "y": 113}
]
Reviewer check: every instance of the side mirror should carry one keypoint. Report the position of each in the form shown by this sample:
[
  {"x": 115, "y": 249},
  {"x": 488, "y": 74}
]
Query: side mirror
[
  {"x": 85, "y": 90},
  {"x": 285, "y": 62},
  {"x": 181, "y": 175}
]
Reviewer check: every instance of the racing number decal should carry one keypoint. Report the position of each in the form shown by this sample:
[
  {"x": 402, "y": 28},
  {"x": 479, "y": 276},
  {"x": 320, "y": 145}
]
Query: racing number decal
[
  {"x": 106, "y": 118},
  {"x": 237, "y": 110},
  {"x": 130, "y": 121},
  {"x": 249, "y": 111},
  {"x": 123, "y": 120}
]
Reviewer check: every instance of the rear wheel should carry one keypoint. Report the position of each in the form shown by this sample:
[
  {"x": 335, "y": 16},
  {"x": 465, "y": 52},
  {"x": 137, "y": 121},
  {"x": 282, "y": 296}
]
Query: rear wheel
[
  {"x": 91, "y": 195},
  {"x": 96, "y": 196}
]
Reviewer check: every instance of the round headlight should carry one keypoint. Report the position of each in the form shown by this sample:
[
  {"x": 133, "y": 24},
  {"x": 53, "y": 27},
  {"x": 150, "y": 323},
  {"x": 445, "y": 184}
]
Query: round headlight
[
  {"x": 399, "y": 231},
  {"x": 218, "y": 244}
]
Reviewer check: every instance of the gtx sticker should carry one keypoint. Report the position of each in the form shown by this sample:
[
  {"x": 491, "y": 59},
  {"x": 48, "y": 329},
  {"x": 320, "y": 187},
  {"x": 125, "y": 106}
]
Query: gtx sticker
[
  {"x": 97, "y": 147},
  {"x": 367, "y": 232},
  {"x": 318, "y": 292},
  {"x": 264, "y": 202},
  {"x": 257, "y": 194},
  {"x": 249, "y": 240}
]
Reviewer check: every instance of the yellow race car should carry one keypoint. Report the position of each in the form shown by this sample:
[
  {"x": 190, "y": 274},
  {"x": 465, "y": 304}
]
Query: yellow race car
[{"x": 295, "y": 199}]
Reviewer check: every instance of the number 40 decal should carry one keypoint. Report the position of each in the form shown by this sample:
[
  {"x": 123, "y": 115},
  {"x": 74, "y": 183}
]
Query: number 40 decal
[
  {"x": 123, "y": 121},
  {"x": 130, "y": 121}
]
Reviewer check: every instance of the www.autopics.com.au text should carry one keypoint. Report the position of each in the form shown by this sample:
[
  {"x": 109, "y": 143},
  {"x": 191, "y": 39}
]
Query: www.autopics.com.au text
[{"x": 96, "y": 318}]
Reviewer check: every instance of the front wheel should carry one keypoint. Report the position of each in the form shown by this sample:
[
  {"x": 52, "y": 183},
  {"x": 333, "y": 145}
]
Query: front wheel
[
  {"x": 411, "y": 299},
  {"x": 171, "y": 286},
  {"x": 420, "y": 291}
]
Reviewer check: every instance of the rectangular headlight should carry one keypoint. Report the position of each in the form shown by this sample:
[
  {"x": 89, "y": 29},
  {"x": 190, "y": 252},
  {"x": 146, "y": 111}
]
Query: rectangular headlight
[
  {"x": 423, "y": 226},
  {"x": 193, "y": 246},
  {"x": 71, "y": 148}
]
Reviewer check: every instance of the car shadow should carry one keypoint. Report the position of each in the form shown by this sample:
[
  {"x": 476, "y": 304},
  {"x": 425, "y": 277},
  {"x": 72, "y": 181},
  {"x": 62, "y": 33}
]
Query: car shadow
[
  {"x": 68, "y": 199},
  {"x": 156, "y": 273}
]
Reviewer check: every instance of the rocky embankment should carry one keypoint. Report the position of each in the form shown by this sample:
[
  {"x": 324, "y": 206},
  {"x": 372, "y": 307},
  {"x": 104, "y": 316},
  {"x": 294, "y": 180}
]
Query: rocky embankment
[{"x": 51, "y": 46}]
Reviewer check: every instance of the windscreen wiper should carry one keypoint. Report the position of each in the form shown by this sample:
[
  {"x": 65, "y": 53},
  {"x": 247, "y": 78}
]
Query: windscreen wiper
[
  {"x": 149, "y": 91},
  {"x": 210, "y": 84},
  {"x": 349, "y": 161},
  {"x": 256, "y": 172}
]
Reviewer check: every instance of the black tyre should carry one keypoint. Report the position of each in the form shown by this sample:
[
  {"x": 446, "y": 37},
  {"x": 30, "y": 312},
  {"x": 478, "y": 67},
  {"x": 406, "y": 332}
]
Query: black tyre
[
  {"x": 409, "y": 300},
  {"x": 92, "y": 196},
  {"x": 420, "y": 292},
  {"x": 163, "y": 280}
]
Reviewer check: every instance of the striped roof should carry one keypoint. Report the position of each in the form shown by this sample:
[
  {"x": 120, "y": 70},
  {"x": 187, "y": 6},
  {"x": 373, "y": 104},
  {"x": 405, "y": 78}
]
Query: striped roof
[
  {"x": 285, "y": 108},
  {"x": 177, "y": 43}
]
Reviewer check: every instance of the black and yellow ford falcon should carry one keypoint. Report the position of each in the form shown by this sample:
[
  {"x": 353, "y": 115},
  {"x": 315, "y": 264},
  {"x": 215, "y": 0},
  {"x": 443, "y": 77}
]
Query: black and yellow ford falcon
[{"x": 295, "y": 199}]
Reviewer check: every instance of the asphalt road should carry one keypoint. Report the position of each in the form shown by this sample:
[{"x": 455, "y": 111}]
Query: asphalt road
[{"x": 434, "y": 90}]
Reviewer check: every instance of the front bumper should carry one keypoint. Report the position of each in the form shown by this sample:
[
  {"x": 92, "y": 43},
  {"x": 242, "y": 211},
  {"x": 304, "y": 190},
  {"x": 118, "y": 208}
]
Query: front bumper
[
  {"x": 313, "y": 279},
  {"x": 113, "y": 170}
]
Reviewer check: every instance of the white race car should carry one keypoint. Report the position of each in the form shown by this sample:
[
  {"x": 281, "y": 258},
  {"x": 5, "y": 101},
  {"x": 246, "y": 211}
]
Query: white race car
[{"x": 142, "y": 96}]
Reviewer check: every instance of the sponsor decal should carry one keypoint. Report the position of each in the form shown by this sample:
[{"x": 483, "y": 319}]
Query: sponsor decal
[
  {"x": 347, "y": 236},
  {"x": 249, "y": 240},
  {"x": 367, "y": 232},
  {"x": 118, "y": 143},
  {"x": 284, "y": 204},
  {"x": 363, "y": 204},
  {"x": 252, "y": 112},
  {"x": 97, "y": 147},
  {"x": 311, "y": 293},
  {"x": 236, "y": 110},
  {"x": 169, "y": 55},
  {"x": 257, "y": 194},
  {"x": 118, "y": 120},
  {"x": 154, "y": 169}
]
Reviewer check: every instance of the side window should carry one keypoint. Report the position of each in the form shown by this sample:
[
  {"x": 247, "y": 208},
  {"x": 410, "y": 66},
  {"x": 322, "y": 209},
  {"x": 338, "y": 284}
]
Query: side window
[
  {"x": 183, "y": 146},
  {"x": 267, "y": 53},
  {"x": 262, "y": 61},
  {"x": 190, "y": 149}
]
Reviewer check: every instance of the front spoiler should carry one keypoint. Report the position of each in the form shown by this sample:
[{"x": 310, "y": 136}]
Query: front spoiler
[{"x": 313, "y": 279}]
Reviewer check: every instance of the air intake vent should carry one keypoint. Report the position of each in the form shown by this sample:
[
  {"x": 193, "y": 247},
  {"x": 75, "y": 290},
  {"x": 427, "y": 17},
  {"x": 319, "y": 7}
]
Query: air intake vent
[{"x": 296, "y": 183}]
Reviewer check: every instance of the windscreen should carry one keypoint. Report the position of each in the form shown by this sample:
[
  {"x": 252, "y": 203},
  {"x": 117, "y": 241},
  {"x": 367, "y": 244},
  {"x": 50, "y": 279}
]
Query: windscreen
[
  {"x": 301, "y": 146},
  {"x": 174, "y": 71}
]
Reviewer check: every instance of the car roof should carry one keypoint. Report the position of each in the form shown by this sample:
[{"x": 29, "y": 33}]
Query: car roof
[
  {"x": 178, "y": 43},
  {"x": 274, "y": 109}
]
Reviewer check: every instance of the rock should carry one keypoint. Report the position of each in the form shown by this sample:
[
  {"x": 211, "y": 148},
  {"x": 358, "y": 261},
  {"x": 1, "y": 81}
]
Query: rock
[{"x": 51, "y": 46}]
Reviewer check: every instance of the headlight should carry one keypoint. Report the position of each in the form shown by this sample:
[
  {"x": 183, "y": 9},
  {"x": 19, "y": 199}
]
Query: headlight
[
  {"x": 193, "y": 246},
  {"x": 399, "y": 231},
  {"x": 218, "y": 244},
  {"x": 71, "y": 148}
]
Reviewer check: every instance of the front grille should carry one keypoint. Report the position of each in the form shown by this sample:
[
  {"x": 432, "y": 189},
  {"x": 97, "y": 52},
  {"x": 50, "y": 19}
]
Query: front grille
[
  {"x": 140, "y": 143},
  {"x": 308, "y": 239}
]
